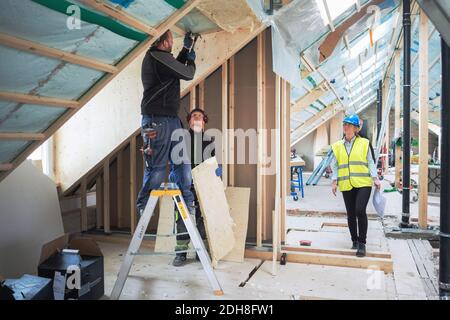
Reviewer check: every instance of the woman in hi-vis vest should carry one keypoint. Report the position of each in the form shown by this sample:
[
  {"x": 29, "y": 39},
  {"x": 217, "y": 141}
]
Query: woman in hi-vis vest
[{"x": 354, "y": 172}]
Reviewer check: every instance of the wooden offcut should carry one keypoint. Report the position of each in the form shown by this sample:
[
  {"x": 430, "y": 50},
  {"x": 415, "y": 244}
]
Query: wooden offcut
[
  {"x": 215, "y": 209},
  {"x": 165, "y": 225},
  {"x": 239, "y": 202}
]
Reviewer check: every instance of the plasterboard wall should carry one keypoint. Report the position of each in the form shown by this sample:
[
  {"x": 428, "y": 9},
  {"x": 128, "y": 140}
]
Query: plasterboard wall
[{"x": 29, "y": 218}]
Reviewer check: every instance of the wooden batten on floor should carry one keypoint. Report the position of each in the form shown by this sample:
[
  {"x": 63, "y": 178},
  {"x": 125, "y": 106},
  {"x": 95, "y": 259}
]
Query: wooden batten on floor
[{"x": 337, "y": 260}]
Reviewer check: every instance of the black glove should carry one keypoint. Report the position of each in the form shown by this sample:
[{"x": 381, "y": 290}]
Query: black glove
[
  {"x": 187, "y": 41},
  {"x": 191, "y": 55}
]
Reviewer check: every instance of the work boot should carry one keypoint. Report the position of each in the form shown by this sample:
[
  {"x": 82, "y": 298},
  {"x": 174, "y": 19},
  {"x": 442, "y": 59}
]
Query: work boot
[
  {"x": 355, "y": 245},
  {"x": 361, "y": 251},
  {"x": 180, "y": 259}
]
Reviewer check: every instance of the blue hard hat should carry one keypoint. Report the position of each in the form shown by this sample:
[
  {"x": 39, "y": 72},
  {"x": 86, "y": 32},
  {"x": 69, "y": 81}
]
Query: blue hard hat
[{"x": 352, "y": 119}]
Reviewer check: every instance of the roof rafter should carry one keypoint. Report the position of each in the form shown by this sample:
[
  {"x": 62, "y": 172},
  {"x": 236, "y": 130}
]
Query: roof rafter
[
  {"x": 40, "y": 100},
  {"x": 39, "y": 49}
]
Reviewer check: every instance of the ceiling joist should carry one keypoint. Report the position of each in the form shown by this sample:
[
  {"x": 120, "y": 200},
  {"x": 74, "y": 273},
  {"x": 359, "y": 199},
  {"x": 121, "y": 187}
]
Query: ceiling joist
[
  {"x": 32, "y": 99},
  {"x": 21, "y": 136},
  {"x": 39, "y": 49}
]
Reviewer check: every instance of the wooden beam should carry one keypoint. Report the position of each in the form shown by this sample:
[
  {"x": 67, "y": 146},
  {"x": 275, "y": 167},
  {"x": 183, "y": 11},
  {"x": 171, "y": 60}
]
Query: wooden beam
[
  {"x": 232, "y": 102},
  {"x": 225, "y": 123},
  {"x": 329, "y": 44},
  {"x": 193, "y": 98},
  {"x": 284, "y": 172},
  {"x": 32, "y": 99},
  {"x": 39, "y": 49},
  {"x": 133, "y": 184},
  {"x": 21, "y": 136},
  {"x": 120, "y": 189},
  {"x": 308, "y": 98},
  {"x": 106, "y": 205},
  {"x": 346, "y": 252},
  {"x": 260, "y": 191},
  {"x": 305, "y": 128},
  {"x": 201, "y": 95},
  {"x": 119, "y": 14},
  {"x": 423, "y": 120},
  {"x": 311, "y": 67},
  {"x": 433, "y": 128},
  {"x": 99, "y": 202},
  {"x": 6, "y": 166},
  {"x": 336, "y": 260},
  {"x": 84, "y": 214},
  {"x": 276, "y": 215},
  {"x": 142, "y": 47}
]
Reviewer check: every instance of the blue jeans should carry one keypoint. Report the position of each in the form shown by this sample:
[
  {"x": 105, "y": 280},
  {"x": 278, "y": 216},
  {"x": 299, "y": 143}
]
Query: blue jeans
[{"x": 155, "y": 164}]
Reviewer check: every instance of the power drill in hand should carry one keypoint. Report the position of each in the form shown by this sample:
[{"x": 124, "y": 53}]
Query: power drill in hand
[{"x": 149, "y": 131}]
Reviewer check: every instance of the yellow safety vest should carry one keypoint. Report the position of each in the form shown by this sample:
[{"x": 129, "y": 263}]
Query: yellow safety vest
[{"x": 353, "y": 169}]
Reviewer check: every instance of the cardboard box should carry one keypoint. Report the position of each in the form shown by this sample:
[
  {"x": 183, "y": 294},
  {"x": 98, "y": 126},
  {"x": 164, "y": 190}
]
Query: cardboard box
[
  {"x": 89, "y": 260},
  {"x": 28, "y": 287}
]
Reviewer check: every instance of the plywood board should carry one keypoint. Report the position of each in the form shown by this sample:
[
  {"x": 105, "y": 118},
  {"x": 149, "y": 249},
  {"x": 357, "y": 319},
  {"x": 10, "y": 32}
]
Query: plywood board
[
  {"x": 239, "y": 202},
  {"x": 215, "y": 210}
]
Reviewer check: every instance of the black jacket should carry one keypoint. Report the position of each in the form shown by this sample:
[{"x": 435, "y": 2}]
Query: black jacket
[
  {"x": 161, "y": 74},
  {"x": 205, "y": 141}
]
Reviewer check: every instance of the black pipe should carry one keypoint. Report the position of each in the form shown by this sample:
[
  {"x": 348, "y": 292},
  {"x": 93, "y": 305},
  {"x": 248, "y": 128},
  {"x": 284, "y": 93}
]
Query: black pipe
[
  {"x": 406, "y": 111},
  {"x": 444, "y": 248},
  {"x": 379, "y": 107}
]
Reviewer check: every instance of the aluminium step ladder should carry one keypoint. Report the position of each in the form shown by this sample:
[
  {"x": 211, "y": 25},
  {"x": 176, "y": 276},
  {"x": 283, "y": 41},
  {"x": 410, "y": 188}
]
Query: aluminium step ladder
[{"x": 166, "y": 189}]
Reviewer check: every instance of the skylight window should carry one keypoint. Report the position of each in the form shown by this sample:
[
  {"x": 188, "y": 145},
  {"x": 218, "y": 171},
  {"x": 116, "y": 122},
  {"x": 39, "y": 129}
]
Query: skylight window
[{"x": 333, "y": 8}]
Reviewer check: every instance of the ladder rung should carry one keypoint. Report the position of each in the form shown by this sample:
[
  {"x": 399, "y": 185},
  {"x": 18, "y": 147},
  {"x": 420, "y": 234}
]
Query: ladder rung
[
  {"x": 163, "y": 253},
  {"x": 166, "y": 235}
]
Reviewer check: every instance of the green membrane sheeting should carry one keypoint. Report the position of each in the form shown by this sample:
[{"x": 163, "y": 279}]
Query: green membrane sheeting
[{"x": 86, "y": 15}]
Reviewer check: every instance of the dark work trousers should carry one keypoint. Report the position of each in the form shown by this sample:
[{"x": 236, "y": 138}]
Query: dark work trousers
[
  {"x": 356, "y": 203},
  {"x": 155, "y": 164},
  {"x": 183, "y": 240}
]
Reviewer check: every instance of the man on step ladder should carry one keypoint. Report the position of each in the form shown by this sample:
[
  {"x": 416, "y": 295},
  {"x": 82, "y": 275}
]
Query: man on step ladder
[{"x": 172, "y": 190}]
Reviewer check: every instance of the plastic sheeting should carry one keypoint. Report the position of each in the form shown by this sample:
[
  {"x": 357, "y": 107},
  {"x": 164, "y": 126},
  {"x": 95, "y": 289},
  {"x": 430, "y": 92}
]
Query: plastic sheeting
[
  {"x": 10, "y": 149},
  {"x": 152, "y": 12},
  {"x": 32, "y": 74},
  {"x": 28, "y": 118},
  {"x": 354, "y": 68},
  {"x": 196, "y": 22},
  {"x": 295, "y": 27}
]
